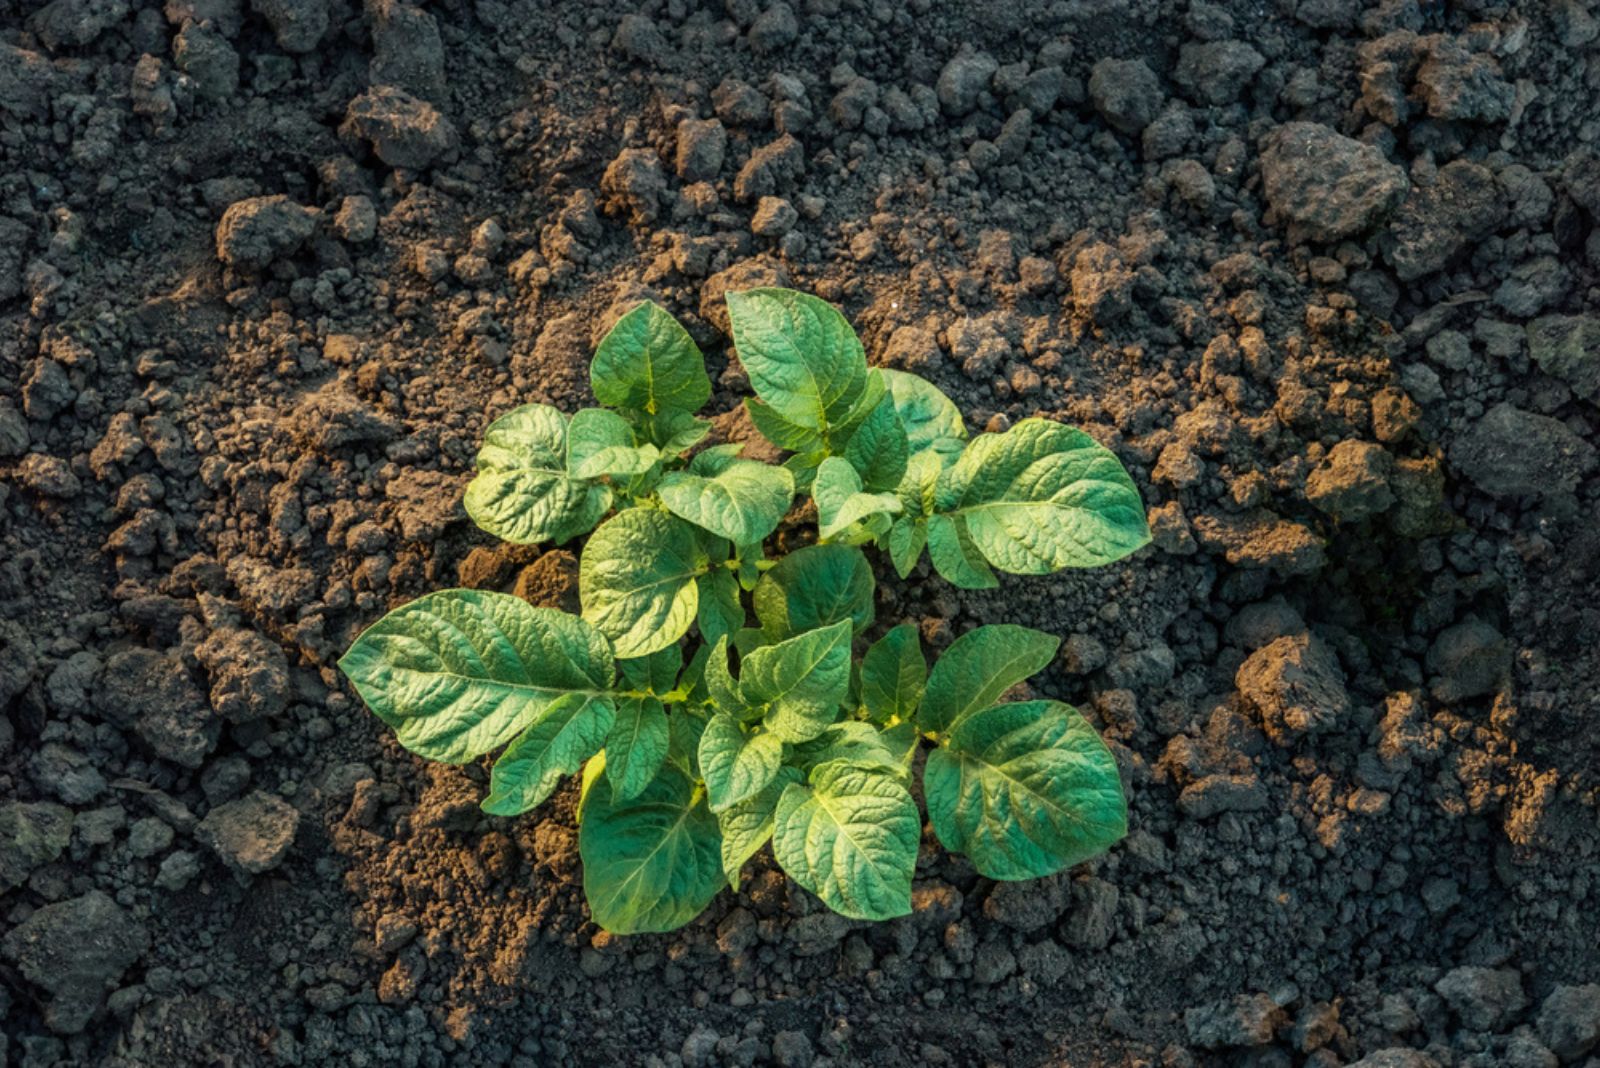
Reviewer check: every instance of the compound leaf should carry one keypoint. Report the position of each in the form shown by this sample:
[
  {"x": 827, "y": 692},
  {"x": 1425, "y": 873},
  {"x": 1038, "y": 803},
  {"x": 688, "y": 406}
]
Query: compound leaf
[
  {"x": 736, "y": 764},
  {"x": 637, "y": 746},
  {"x": 523, "y": 492},
  {"x": 747, "y": 825},
  {"x": 894, "y": 675},
  {"x": 978, "y": 667},
  {"x": 803, "y": 358},
  {"x": 1041, "y": 497},
  {"x": 637, "y": 580},
  {"x": 814, "y": 587},
  {"x": 651, "y": 863},
  {"x": 744, "y": 502},
  {"x": 1025, "y": 790},
  {"x": 459, "y": 672},
  {"x": 648, "y": 363},
  {"x": 850, "y": 836},
  {"x": 566, "y": 734}
]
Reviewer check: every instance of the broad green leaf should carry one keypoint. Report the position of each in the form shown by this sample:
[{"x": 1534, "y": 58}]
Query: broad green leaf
[
  {"x": 591, "y": 431},
  {"x": 736, "y": 763},
  {"x": 978, "y": 667},
  {"x": 566, "y": 734},
  {"x": 918, "y": 488},
  {"x": 955, "y": 557},
  {"x": 841, "y": 504},
  {"x": 871, "y": 397},
  {"x": 720, "y": 685},
  {"x": 1041, "y": 497},
  {"x": 802, "y": 356},
  {"x": 894, "y": 675},
  {"x": 850, "y": 742},
  {"x": 652, "y": 863},
  {"x": 619, "y": 461},
  {"x": 878, "y": 449},
  {"x": 675, "y": 432},
  {"x": 594, "y": 770},
  {"x": 522, "y": 492},
  {"x": 778, "y": 430},
  {"x": 714, "y": 459},
  {"x": 648, "y": 362},
  {"x": 657, "y": 673},
  {"x": 747, "y": 825},
  {"x": 931, "y": 420},
  {"x": 906, "y": 540},
  {"x": 802, "y": 681},
  {"x": 814, "y": 587},
  {"x": 1025, "y": 790},
  {"x": 850, "y": 836},
  {"x": 721, "y": 613},
  {"x": 637, "y": 746},
  {"x": 744, "y": 503},
  {"x": 637, "y": 580},
  {"x": 685, "y": 724},
  {"x": 459, "y": 672},
  {"x": 903, "y": 740}
]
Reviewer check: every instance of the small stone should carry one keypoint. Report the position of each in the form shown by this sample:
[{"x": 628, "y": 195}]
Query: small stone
[
  {"x": 1216, "y": 72},
  {"x": 407, "y": 50},
  {"x": 702, "y": 146},
  {"x": 634, "y": 183},
  {"x": 792, "y": 1049},
  {"x": 403, "y": 130},
  {"x": 74, "y": 950},
  {"x": 1514, "y": 453},
  {"x": 1102, "y": 284},
  {"x": 48, "y": 476},
  {"x": 992, "y": 962},
  {"x": 1325, "y": 184},
  {"x": 1569, "y": 1020},
  {"x": 75, "y": 23},
  {"x": 769, "y": 168},
  {"x": 249, "y": 674},
  {"x": 638, "y": 37},
  {"x": 774, "y": 217},
  {"x": 206, "y": 56},
  {"x": 963, "y": 81},
  {"x": 177, "y": 870},
  {"x": 1468, "y": 660},
  {"x": 148, "y": 836},
  {"x": 1484, "y": 998},
  {"x": 1296, "y": 685},
  {"x": 775, "y": 29},
  {"x": 1093, "y": 920},
  {"x": 1568, "y": 347},
  {"x": 356, "y": 221},
  {"x": 250, "y": 835},
  {"x": 154, "y": 695},
  {"x": 1352, "y": 482},
  {"x": 1126, "y": 93},
  {"x": 32, "y": 834},
  {"x": 699, "y": 1049},
  {"x": 256, "y": 231}
]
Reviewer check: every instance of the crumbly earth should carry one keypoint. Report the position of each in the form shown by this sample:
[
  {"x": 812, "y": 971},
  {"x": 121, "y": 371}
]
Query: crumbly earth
[{"x": 1324, "y": 273}]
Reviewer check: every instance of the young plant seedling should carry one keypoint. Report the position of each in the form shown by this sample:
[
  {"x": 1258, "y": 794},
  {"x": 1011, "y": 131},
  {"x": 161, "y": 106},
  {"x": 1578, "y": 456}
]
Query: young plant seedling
[{"x": 702, "y": 735}]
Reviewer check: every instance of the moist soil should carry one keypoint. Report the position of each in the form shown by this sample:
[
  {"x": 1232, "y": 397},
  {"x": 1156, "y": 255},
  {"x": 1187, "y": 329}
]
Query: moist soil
[{"x": 1324, "y": 273}]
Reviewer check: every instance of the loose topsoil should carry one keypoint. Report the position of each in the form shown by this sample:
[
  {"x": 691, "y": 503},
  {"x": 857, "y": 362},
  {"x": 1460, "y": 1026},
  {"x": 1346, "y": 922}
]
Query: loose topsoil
[{"x": 1324, "y": 273}]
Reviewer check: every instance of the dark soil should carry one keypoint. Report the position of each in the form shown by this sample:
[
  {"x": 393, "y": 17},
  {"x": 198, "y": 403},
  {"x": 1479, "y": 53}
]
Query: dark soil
[{"x": 1325, "y": 273}]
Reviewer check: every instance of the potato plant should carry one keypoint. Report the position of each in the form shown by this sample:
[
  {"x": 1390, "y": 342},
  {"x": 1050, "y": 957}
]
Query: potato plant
[{"x": 702, "y": 733}]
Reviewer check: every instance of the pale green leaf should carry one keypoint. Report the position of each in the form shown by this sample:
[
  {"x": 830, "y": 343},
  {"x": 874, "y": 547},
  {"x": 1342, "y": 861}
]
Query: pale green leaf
[
  {"x": 841, "y": 504},
  {"x": 637, "y": 746},
  {"x": 1041, "y": 497},
  {"x": 878, "y": 448},
  {"x": 906, "y": 540},
  {"x": 744, "y": 503},
  {"x": 648, "y": 362},
  {"x": 556, "y": 744},
  {"x": 850, "y": 836},
  {"x": 955, "y": 557},
  {"x": 721, "y": 687},
  {"x": 652, "y": 863},
  {"x": 675, "y": 432},
  {"x": 721, "y": 613},
  {"x": 852, "y": 742},
  {"x": 737, "y": 763},
  {"x": 931, "y": 420},
  {"x": 894, "y": 675},
  {"x": 801, "y": 355},
  {"x": 619, "y": 461},
  {"x": 747, "y": 825},
  {"x": 978, "y": 667},
  {"x": 1025, "y": 790},
  {"x": 802, "y": 681},
  {"x": 637, "y": 580},
  {"x": 523, "y": 492},
  {"x": 778, "y": 430},
  {"x": 591, "y": 431},
  {"x": 814, "y": 587},
  {"x": 714, "y": 459},
  {"x": 459, "y": 672}
]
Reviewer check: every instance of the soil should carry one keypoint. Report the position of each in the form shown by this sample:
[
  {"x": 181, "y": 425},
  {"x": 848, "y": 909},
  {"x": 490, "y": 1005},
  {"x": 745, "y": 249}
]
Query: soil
[{"x": 1324, "y": 273}]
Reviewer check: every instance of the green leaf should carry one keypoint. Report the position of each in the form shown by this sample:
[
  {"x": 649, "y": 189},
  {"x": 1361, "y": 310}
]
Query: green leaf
[
  {"x": 720, "y": 611},
  {"x": 747, "y": 825},
  {"x": 593, "y": 770},
  {"x": 593, "y": 430},
  {"x": 675, "y": 432},
  {"x": 955, "y": 557},
  {"x": 685, "y": 725},
  {"x": 894, "y": 675},
  {"x": 648, "y": 363},
  {"x": 637, "y": 746},
  {"x": 657, "y": 672},
  {"x": 778, "y": 430},
  {"x": 459, "y": 672},
  {"x": 978, "y": 667},
  {"x": 522, "y": 492},
  {"x": 744, "y": 503},
  {"x": 931, "y": 420},
  {"x": 736, "y": 764},
  {"x": 814, "y": 587},
  {"x": 840, "y": 502},
  {"x": 850, "y": 836},
  {"x": 852, "y": 742},
  {"x": 906, "y": 540},
  {"x": 566, "y": 734},
  {"x": 803, "y": 359},
  {"x": 1041, "y": 497},
  {"x": 637, "y": 580},
  {"x": 802, "y": 681},
  {"x": 720, "y": 685},
  {"x": 878, "y": 449},
  {"x": 714, "y": 459},
  {"x": 903, "y": 740},
  {"x": 652, "y": 863},
  {"x": 918, "y": 488},
  {"x": 619, "y": 461},
  {"x": 1025, "y": 790}
]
